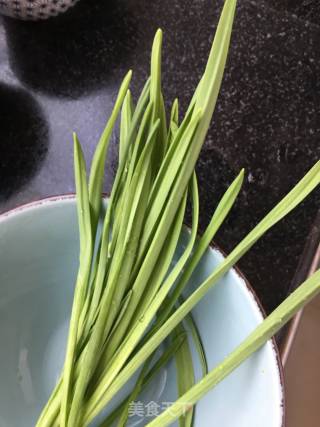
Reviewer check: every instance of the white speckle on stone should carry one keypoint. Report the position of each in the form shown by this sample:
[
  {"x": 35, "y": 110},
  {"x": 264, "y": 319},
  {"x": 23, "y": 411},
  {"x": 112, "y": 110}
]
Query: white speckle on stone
[{"x": 250, "y": 178}]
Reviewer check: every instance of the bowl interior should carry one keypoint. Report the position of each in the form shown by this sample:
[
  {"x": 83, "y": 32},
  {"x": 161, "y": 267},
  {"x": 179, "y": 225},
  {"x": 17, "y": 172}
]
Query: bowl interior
[{"x": 38, "y": 265}]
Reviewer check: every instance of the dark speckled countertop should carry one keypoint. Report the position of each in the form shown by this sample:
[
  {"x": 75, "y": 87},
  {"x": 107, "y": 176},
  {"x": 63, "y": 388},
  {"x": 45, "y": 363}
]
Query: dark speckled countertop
[{"x": 63, "y": 74}]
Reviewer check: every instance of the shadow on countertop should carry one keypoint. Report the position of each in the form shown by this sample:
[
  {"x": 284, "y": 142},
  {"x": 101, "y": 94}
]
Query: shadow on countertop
[
  {"x": 24, "y": 139},
  {"x": 74, "y": 53}
]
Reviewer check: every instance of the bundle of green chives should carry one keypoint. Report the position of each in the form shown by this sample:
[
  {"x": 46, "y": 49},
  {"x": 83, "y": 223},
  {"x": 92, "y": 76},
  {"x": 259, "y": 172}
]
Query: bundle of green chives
[{"x": 128, "y": 297}]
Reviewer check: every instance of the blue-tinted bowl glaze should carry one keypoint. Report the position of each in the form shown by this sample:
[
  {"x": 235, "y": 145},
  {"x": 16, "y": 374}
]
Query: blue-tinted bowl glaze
[{"x": 38, "y": 265}]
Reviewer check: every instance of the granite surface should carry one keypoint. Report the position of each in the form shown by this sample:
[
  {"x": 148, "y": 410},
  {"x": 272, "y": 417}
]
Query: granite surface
[
  {"x": 304, "y": 9},
  {"x": 62, "y": 75}
]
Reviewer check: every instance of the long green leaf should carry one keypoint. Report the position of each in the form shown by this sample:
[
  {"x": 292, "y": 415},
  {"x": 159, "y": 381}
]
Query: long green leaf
[
  {"x": 174, "y": 121},
  {"x": 299, "y": 192},
  {"x": 86, "y": 247},
  {"x": 52, "y": 408},
  {"x": 196, "y": 337},
  {"x": 150, "y": 260},
  {"x": 221, "y": 212},
  {"x": 142, "y": 301},
  {"x": 185, "y": 375},
  {"x": 272, "y": 324},
  {"x": 99, "y": 158},
  {"x": 165, "y": 357},
  {"x": 124, "y": 352},
  {"x": 125, "y": 125},
  {"x": 205, "y": 100},
  {"x": 118, "y": 276},
  {"x": 105, "y": 238}
]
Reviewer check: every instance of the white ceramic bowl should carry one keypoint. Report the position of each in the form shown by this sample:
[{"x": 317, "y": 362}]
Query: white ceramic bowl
[{"x": 38, "y": 264}]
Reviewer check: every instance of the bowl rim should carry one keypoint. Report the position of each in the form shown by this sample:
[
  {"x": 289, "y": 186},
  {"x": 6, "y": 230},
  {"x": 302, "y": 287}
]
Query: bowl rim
[{"x": 72, "y": 196}]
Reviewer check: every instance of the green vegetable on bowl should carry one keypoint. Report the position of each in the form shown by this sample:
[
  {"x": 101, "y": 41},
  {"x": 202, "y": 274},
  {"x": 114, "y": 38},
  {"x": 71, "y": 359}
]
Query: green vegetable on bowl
[{"x": 128, "y": 296}]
